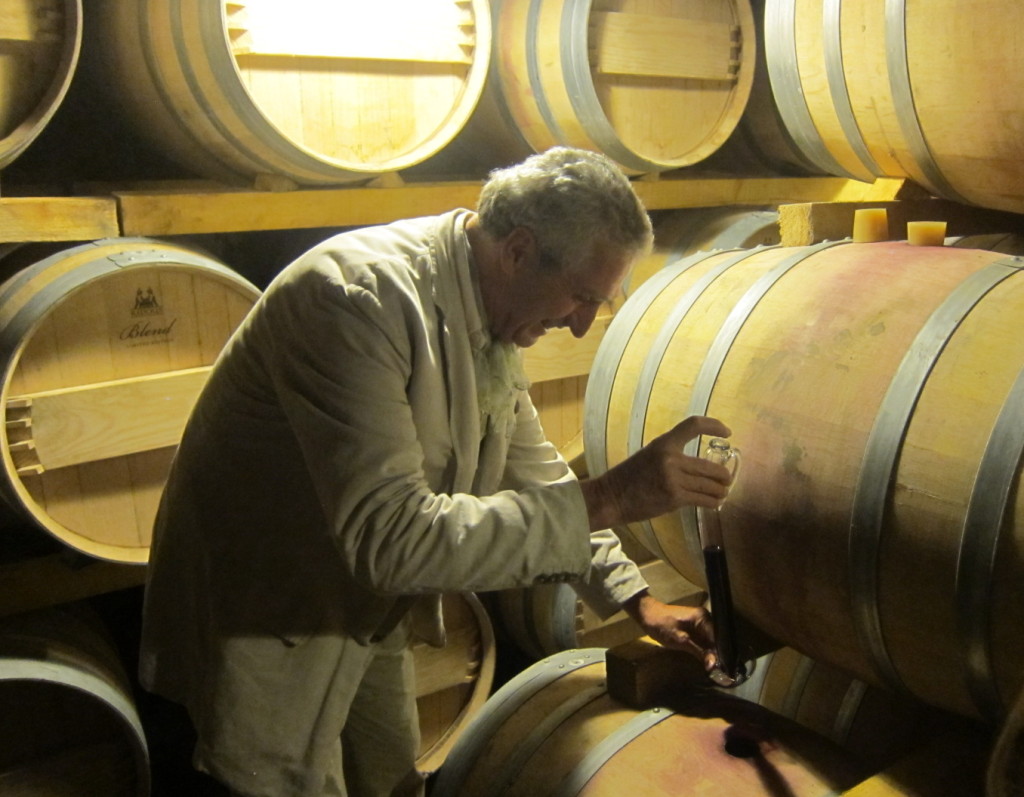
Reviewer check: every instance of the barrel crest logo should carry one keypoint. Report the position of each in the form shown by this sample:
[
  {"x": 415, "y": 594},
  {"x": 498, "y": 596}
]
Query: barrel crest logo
[
  {"x": 149, "y": 324},
  {"x": 146, "y": 303}
]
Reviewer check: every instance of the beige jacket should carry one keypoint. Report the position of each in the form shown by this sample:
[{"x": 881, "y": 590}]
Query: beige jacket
[{"x": 336, "y": 474}]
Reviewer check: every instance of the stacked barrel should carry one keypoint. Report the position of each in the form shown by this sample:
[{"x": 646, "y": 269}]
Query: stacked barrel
[{"x": 875, "y": 389}]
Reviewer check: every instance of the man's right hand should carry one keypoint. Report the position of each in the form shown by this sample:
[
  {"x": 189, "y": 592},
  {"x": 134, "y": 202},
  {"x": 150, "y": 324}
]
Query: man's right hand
[{"x": 659, "y": 478}]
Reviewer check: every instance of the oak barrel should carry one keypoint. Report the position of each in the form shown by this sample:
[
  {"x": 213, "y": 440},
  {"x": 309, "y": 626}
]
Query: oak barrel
[
  {"x": 683, "y": 232},
  {"x": 104, "y": 347},
  {"x": 40, "y": 41},
  {"x": 70, "y": 726},
  {"x": 1009, "y": 243},
  {"x": 652, "y": 85},
  {"x": 876, "y": 392},
  {"x": 903, "y": 89},
  {"x": 554, "y": 730},
  {"x": 317, "y": 93},
  {"x": 760, "y": 144},
  {"x": 453, "y": 682},
  {"x": 876, "y": 726}
]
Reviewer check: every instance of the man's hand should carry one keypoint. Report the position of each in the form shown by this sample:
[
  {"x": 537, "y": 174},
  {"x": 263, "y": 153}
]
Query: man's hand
[
  {"x": 659, "y": 478},
  {"x": 685, "y": 628}
]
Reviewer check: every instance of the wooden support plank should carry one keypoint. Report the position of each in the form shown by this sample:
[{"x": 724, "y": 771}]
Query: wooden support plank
[
  {"x": 668, "y": 193},
  {"x": 57, "y": 218},
  {"x": 375, "y": 49},
  {"x": 39, "y": 23},
  {"x": 418, "y": 34},
  {"x": 191, "y": 212},
  {"x": 171, "y": 213},
  {"x": 802, "y": 224},
  {"x": 110, "y": 419},
  {"x": 659, "y": 46},
  {"x": 59, "y": 578},
  {"x": 559, "y": 355}
]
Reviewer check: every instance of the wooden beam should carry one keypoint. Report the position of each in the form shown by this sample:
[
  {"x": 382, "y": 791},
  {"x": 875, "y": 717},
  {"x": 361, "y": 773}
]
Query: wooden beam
[
  {"x": 57, "y": 218},
  {"x": 667, "y": 193},
  {"x": 171, "y": 213},
  {"x": 190, "y": 212},
  {"x": 61, "y": 578}
]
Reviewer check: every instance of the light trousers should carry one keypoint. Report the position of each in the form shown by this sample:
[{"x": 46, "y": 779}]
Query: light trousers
[{"x": 380, "y": 740}]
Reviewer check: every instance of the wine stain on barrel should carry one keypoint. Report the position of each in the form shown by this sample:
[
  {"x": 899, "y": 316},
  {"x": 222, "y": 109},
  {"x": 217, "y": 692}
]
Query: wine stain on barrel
[{"x": 742, "y": 741}]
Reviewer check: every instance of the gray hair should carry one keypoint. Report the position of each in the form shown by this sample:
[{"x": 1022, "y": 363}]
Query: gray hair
[{"x": 574, "y": 201}]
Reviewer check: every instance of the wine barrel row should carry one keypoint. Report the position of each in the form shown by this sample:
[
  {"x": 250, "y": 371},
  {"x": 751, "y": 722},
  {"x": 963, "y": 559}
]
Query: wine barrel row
[{"x": 239, "y": 91}]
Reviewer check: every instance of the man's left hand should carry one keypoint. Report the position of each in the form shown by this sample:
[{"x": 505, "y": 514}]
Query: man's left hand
[{"x": 685, "y": 628}]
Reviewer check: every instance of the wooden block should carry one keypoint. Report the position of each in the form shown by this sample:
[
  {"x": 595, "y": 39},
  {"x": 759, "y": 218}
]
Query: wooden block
[
  {"x": 643, "y": 674},
  {"x": 803, "y": 224}
]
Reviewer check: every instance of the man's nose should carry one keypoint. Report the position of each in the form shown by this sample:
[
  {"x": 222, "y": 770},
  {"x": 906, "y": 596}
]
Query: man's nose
[{"x": 581, "y": 319}]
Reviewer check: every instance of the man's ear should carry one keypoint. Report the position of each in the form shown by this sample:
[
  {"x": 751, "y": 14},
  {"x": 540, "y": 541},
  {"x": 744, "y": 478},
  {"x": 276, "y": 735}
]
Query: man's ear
[{"x": 518, "y": 250}]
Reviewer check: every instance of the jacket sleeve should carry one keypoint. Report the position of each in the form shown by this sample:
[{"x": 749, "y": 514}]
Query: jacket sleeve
[
  {"x": 339, "y": 355},
  {"x": 613, "y": 577}
]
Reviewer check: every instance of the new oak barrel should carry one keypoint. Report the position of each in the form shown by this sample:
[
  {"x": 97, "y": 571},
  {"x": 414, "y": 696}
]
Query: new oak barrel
[
  {"x": 40, "y": 41},
  {"x": 70, "y": 726},
  {"x": 453, "y": 682},
  {"x": 315, "y": 92},
  {"x": 654, "y": 85},
  {"x": 930, "y": 91},
  {"x": 554, "y": 730},
  {"x": 876, "y": 393},
  {"x": 104, "y": 347}
]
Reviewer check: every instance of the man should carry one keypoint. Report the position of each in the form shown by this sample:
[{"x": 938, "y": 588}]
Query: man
[{"x": 366, "y": 443}]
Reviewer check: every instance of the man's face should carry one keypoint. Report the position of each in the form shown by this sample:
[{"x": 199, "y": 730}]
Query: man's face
[{"x": 535, "y": 299}]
